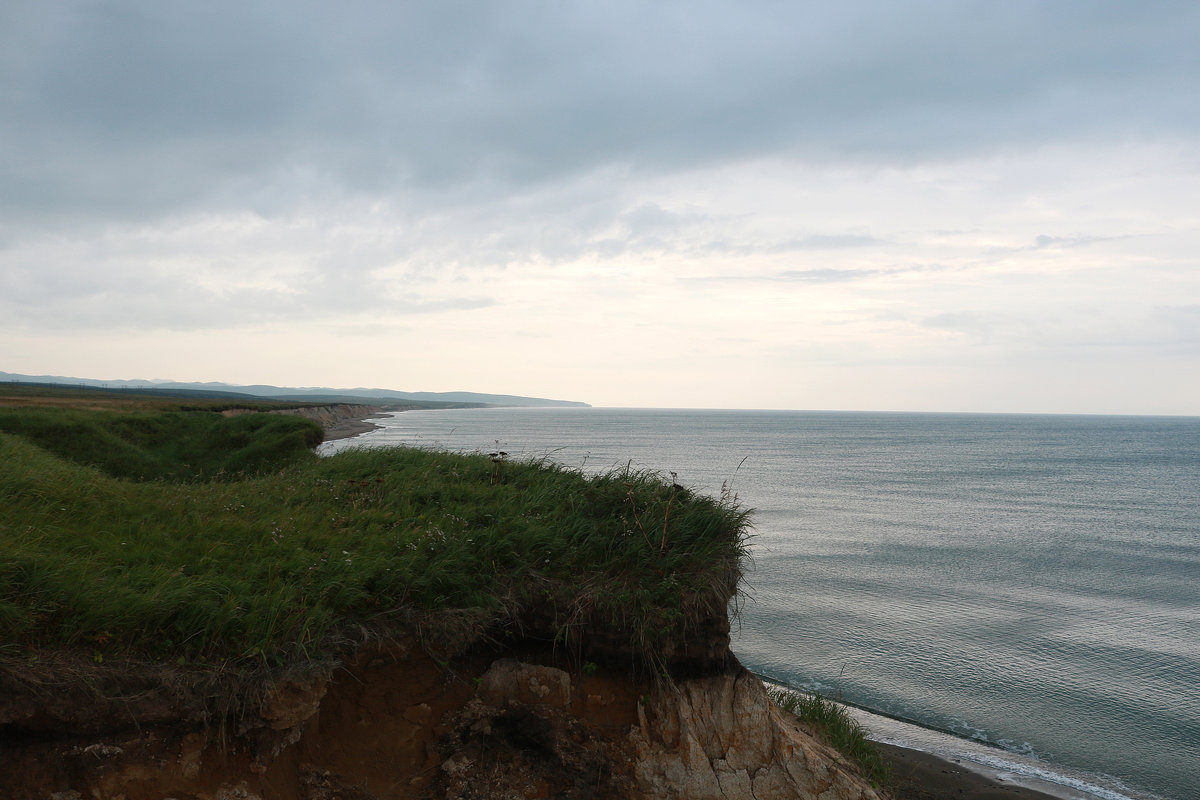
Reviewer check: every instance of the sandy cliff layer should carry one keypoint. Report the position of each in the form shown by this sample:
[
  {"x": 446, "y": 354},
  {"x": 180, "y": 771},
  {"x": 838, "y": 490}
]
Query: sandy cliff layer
[
  {"x": 340, "y": 421},
  {"x": 398, "y": 722}
]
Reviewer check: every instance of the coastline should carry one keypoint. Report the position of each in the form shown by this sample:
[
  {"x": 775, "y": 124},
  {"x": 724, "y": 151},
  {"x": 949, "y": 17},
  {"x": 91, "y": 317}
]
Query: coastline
[
  {"x": 918, "y": 775},
  {"x": 351, "y": 426}
]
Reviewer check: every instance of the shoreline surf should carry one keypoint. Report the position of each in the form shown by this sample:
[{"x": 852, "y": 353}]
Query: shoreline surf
[{"x": 933, "y": 764}]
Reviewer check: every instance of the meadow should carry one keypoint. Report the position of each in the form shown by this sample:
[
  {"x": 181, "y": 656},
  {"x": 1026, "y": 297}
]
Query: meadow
[{"x": 191, "y": 537}]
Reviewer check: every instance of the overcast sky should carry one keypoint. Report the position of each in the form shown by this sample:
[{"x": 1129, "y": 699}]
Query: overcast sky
[{"x": 971, "y": 206}]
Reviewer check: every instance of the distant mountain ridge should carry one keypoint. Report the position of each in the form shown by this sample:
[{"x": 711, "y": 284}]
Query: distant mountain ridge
[{"x": 315, "y": 394}]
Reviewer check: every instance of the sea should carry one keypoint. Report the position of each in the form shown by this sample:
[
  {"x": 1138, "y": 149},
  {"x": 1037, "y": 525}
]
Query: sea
[{"x": 1017, "y": 593}]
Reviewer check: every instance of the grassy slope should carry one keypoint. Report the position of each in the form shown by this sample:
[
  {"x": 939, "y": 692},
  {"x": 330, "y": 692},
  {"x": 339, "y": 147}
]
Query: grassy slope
[
  {"x": 270, "y": 566},
  {"x": 32, "y": 395},
  {"x": 166, "y": 445},
  {"x": 832, "y": 723}
]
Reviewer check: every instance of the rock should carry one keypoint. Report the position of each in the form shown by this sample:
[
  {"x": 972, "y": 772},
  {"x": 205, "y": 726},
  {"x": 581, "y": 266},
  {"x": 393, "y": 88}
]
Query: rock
[
  {"x": 510, "y": 682},
  {"x": 291, "y": 702},
  {"x": 720, "y": 737}
]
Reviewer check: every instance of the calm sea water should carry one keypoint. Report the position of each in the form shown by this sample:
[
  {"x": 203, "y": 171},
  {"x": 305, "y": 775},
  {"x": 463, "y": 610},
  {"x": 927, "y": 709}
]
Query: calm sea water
[{"x": 1028, "y": 582}]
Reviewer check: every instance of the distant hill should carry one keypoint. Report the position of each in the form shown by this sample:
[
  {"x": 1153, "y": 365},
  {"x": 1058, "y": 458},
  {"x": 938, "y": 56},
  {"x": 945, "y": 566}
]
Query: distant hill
[{"x": 306, "y": 394}]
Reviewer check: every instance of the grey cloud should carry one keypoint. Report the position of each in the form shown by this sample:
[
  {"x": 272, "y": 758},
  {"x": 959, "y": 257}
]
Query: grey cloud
[
  {"x": 130, "y": 109},
  {"x": 1064, "y": 242},
  {"x": 188, "y": 308},
  {"x": 827, "y": 275},
  {"x": 828, "y": 242},
  {"x": 117, "y": 296},
  {"x": 1075, "y": 329},
  {"x": 1178, "y": 328},
  {"x": 566, "y": 228},
  {"x": 563, "y": 223},
  {"x": 707, "y": 245},
  {"x": 651, "y": 219},
  {"x": 967, "y": 322},
  {"x": 1048, "y": 242},
  {"x": 822, "y": 275}
]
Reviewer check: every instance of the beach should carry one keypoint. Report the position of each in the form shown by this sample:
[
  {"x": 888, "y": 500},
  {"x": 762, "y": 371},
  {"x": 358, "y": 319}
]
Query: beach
[
  {"x": 344, "y": 421},
  {"x": 349, "y": 428},
  {"x": 921, "y": 776}
]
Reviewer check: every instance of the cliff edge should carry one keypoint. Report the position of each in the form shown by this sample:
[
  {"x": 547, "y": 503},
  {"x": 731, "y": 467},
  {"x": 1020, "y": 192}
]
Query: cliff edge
[
  {"x": 399, "y": 721},
  {"x": 197, "y": 607}
]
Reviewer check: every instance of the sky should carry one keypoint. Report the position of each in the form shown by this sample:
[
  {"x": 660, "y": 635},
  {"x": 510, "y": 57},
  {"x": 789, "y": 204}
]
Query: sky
[{"x": 917, "y": 206}]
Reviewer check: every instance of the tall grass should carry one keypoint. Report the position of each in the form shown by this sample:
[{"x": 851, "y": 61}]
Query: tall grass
[
  {"x": 166, "y": 445},
  {"x": 273, "y": 566}
]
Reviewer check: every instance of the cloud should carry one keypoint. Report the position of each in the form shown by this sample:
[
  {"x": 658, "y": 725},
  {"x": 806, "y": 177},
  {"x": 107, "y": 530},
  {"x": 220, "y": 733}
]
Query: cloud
[
  {"x": 1177, "y": 328},
  {"x": 834, "y": 242},
  {"x": 126, "y": 110},
  {"x": 967, "y": 322},
  {"x": 826, "y": 275},
  {"x": 1048, "y": 242},
  {"x": 215, "y": 272},
  {"x": 881, "y": 182},
  {"x": 1043, "y": 242},
  {"x": 843, "y": 275},
  {"x": 168, "y": 302}
]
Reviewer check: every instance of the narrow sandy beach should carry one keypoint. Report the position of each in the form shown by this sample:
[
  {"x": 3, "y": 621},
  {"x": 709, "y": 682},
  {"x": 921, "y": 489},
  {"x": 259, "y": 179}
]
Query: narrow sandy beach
[
  {"x": 351, "y": 426},
  {"x": 921, "y": 776}
]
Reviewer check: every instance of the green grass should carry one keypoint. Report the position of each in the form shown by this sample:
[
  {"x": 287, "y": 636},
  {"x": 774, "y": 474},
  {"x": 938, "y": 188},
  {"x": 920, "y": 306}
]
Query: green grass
[
  {"x": 258, "y": 554},
  {"x": 833, "y": 724},
  {"x": 179, "y": 445}
]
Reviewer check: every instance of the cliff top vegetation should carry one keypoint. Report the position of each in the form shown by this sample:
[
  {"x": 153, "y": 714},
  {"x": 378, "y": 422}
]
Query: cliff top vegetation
[{"x": 191, "y": 538}]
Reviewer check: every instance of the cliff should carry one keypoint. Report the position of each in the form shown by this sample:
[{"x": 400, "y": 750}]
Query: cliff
[
  {"x": 398, "y": 720},
  {"x": 386, "y": 623},
  {"x": 333, "y": 414},
  {"x": 341, "y": 420}
]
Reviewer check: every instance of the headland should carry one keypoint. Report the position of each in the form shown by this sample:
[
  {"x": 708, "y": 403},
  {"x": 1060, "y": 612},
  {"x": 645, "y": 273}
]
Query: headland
[{"x": 197, "y": 606}]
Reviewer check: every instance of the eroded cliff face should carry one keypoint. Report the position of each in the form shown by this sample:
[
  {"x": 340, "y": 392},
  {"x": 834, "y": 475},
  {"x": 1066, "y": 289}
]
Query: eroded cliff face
[
  {"x": 720, "y": 737},
  {"x": 398, "y": 722},
  {"x": 332, "y": 414}
]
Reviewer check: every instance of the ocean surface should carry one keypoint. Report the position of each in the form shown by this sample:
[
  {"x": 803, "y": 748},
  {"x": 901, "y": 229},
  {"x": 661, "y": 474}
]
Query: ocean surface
[{"x": 1019, "y": 592}]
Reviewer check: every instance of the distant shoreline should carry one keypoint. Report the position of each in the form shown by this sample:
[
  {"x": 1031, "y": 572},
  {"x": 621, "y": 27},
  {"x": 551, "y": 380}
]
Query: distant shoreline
[{"x": 354, "y": 426}]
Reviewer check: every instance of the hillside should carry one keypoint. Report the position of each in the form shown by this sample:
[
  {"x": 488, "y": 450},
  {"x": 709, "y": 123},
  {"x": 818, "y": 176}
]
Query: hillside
[
  {"x": 361, "y": 395},
  {"x": 379, "y": 623}
]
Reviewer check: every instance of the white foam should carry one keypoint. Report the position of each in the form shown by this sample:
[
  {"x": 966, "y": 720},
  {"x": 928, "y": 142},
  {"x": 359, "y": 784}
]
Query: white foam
[{"x": 1022, "y": 768}]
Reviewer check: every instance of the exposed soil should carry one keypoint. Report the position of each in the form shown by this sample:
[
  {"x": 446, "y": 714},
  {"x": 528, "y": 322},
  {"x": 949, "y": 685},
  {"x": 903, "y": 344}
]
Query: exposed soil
[{"x": 393, "y": 721}]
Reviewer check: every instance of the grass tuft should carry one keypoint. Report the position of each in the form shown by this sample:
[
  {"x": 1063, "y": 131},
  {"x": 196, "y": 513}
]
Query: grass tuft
[{"x": 831, "y": 723}]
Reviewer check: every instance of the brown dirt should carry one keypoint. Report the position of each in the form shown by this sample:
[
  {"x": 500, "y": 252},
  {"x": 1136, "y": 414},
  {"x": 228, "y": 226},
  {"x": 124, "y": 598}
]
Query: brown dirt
[{"x": 381, "y": 726}]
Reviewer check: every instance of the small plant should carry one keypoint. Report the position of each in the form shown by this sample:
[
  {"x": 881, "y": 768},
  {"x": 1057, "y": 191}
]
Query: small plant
[{"x": 498, "y": 458}]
